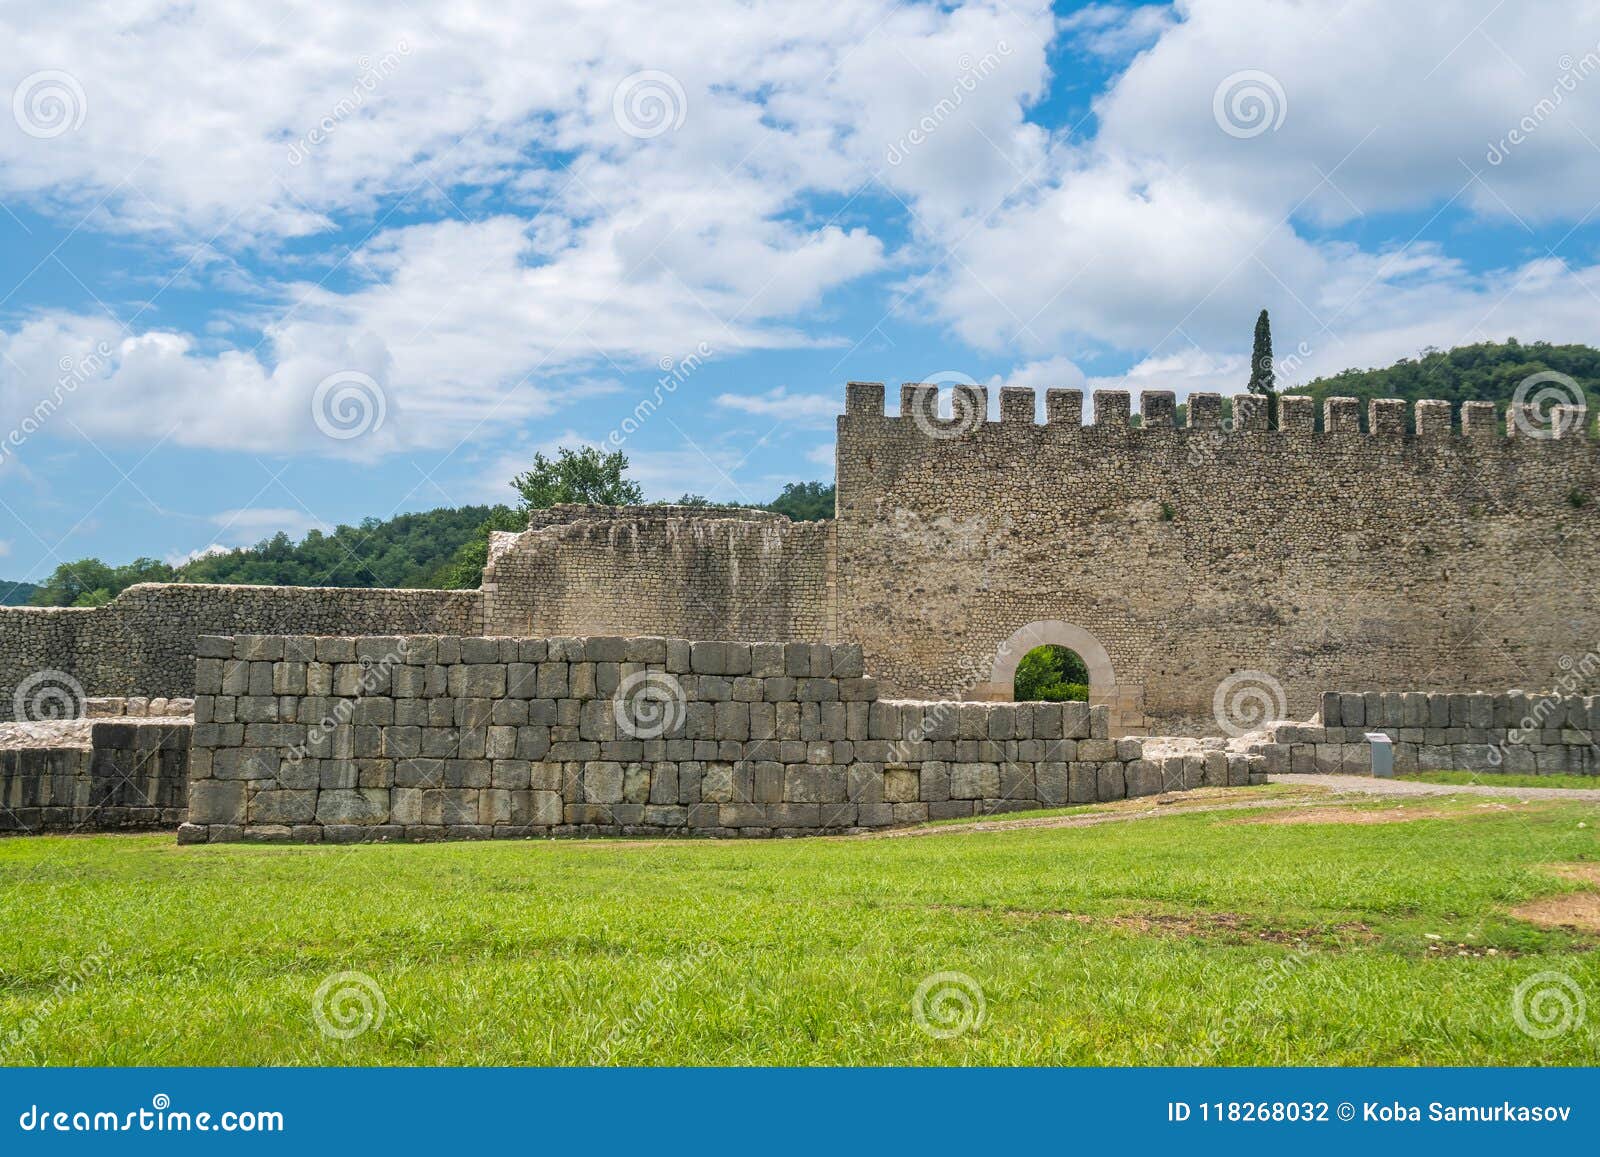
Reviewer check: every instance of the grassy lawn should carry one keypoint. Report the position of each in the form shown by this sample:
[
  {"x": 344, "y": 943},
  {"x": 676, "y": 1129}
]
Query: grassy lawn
[
  {"x": 1225, "y": 937},
  {"x": 1495, "y": 779}
]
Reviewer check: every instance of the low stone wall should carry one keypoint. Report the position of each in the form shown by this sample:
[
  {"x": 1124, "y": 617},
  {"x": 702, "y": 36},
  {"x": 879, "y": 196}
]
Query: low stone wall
[
  {"x": 1513, "y": 732},
  {"x": 123, "y": 775},
  {"x": 141, "y": 644},
  {"x": 348, "y": 739}
]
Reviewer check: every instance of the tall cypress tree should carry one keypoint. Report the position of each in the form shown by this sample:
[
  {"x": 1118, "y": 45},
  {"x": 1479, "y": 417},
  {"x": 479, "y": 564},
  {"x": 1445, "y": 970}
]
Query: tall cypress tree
[{"x": 1262, "y": 378}]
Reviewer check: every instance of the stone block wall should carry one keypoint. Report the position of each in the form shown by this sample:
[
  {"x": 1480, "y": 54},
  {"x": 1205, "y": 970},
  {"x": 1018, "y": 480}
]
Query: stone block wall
[
  {"x": 130, "y": 775},
  {"x": 697, "y": 572},
  {"x": 346, "y": 739},
  {"x": 1374, "y": 554},
  {"x": 1507, "y": 732},
  {"x": 142, "y": 643}
]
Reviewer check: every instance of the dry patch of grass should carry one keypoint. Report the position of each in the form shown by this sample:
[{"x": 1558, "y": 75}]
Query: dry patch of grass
[
  {"x": 1576, "y": 910},
  {"x": 1391, "y": 814}
]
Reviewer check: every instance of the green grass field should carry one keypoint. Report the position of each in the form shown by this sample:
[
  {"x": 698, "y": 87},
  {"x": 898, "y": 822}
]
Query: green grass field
[
  {"x": 1496, "y": 779},
  {"x": 1184, "y": 939}
]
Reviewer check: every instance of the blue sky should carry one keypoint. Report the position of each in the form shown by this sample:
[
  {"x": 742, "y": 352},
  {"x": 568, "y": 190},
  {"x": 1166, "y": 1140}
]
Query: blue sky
[{"x": 275, "y": 272}]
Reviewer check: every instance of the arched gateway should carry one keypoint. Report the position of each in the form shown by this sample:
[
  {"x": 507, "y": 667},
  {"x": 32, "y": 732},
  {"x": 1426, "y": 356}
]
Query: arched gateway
[{"x": 1126, "y": 717}]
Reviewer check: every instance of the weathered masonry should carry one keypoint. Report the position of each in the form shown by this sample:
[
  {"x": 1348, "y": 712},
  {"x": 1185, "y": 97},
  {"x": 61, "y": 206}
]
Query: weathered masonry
[
  {"x": 353, "y": 739},
  {"x": 1393, "y": 548}
]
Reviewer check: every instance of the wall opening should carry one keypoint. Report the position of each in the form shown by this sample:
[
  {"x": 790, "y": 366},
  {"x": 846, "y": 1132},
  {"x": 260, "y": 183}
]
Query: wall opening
[
  {"x": 1125, "y": 702},
  {"x": 1051, "y": 673}
]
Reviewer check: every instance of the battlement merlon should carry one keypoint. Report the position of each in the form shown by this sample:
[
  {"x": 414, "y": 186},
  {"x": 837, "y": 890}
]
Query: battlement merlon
[{"x": 1384, "y": 419}]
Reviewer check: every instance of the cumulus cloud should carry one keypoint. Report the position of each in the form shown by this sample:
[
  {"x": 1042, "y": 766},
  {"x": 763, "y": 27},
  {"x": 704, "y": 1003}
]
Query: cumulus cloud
[
  {"x": 779, "y": 403},
  {"x": 488, "y": 227}
]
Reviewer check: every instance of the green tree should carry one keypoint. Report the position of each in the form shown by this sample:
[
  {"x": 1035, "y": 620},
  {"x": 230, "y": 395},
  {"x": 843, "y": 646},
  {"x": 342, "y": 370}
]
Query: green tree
[
  {"x": 583, "y": 475},
  {"x": 805, "y": 501},
  {"x": 1263, "y": 380},
  {"x": 465, "y": 570},
  {"x": 1052, "y": 674},
  {"x": 91, "y": 583}
]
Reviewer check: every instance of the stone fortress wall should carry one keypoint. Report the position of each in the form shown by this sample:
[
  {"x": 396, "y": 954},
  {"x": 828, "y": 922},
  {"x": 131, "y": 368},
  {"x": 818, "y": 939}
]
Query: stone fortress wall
[
  {"x": 98, "y": 776},
  {"x": 142, "y": 643},
  {"x": 695, "y": 572},
  {"x": 354, "y": 739},
  {"x": 1179, "y": 561}
]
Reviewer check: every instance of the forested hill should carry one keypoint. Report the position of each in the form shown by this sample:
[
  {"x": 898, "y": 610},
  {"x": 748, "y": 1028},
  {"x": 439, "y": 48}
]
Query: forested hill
[
  {"x": 1486, "y": 372},
  {"x": 442, "y": 548},
  {"x": 15, "y": 594}
]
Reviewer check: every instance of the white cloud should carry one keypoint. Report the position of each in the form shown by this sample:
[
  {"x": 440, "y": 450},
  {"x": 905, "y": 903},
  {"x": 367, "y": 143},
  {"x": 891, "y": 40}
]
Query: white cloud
[
  {"x": 779, "y": 403},
  {"x": 822, "y": 455},
  {"x": 1116, "y": 32},
  {"x": 1051, "y": 373},
  {"x": 182, "y": 557},
  {"x": 250, "y": 525},
  {"x": 516, "y": 240}
]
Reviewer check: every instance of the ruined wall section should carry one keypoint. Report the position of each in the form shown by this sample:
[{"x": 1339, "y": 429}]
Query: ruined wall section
[
  {"x": 142, "y": 643},
  {"x": 1440, "y": 559},
  {"x": 698, "y": 572}
]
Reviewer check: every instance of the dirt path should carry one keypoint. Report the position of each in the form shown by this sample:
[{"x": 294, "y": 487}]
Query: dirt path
[
  {"x": 1320, "y": 791},
  {"x": 1367, "y": 785}
]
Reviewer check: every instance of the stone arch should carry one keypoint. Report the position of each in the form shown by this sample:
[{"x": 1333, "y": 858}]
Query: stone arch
[{"x": 1126, "y": 713}]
